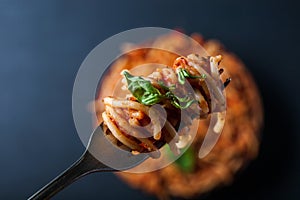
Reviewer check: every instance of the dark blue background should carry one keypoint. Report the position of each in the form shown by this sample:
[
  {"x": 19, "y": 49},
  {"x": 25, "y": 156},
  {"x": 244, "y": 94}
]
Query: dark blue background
[{"x": 42, "y": 44}]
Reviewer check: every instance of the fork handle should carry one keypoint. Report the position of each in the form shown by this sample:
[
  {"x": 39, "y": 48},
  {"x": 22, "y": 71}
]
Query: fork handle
[{"x": 86, "y": 164}]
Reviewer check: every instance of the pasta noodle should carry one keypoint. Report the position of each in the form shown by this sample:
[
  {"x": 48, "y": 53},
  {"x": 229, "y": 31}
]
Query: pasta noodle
[
  {"x": 239, "y": 142},
  {"x": 134, "y": 123}
]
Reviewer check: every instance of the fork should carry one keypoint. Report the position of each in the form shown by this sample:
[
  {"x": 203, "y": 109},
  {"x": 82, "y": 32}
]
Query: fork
[{"x": 98, "y": 147}]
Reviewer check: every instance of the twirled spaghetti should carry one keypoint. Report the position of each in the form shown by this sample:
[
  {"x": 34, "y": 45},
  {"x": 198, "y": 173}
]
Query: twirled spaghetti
[{"x": 135, "y": 124}]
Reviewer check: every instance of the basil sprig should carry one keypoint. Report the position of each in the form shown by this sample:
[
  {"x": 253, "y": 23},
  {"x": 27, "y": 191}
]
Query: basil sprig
[
  {"x": 187, "y": 161},
  {"x": 148, "y": 95},
  {"x": 183, "y": 74},
  {"x": 142, "y": 89}
]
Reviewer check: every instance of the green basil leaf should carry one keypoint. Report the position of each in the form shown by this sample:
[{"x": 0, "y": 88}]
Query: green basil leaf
[
  {"x": 142, "y": 89},
  {"x": 181, "y": 103},
  {"x": 183, "y": 74},
  {"x": 147, "y": 94},
  {"x": 187, "y": 161}
]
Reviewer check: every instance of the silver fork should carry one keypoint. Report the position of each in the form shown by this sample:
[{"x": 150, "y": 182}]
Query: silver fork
[{"x": 88, "y": 163}]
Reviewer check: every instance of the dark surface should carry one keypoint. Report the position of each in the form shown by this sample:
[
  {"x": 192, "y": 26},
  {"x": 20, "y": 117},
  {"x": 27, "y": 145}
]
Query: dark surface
[{"x": 42, "y": 44}]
